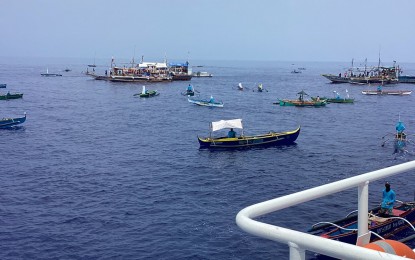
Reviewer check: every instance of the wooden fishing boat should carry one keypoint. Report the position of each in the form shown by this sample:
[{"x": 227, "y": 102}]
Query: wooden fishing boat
[
  {"x": 206, "y": 102},
  {"x": 399, "y": 138},
  {"x": 3, "y": 85},
  {"x": 387, "y": 92},
  {"x": 395, "y": 226},
  {"x": 301, "y": 102},
  {"x": 336, "y": 99},
  {"x": 243, "y": 141},
  {"x": 202, "y": 74},
  {"x": 10, "y": 122},
  {"x": 47, "y": 74},
  {"x": 189, "y": 91},
  {"x": 147, "y": 93},
  {"x": 10, "y": 96}
]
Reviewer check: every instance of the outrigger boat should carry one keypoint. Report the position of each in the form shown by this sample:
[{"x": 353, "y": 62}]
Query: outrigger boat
[
  {"x": 205, "y": 102},
  {"x": 189, "y": 91},
  {"x": 265, "y": 140},
  {"x": 387, "y": 92},
  {"x": 399, "y": 139},
  {"x": 10, "y": 96},
  {"x": 399, "y": 225},
  {"x": 301, "y": 102},
  {"x": 47, "y": 74},
  {"x": 336, "y": 99},
  {"x": 147, "y": 93},
  {"x": 10, "y": 122}
]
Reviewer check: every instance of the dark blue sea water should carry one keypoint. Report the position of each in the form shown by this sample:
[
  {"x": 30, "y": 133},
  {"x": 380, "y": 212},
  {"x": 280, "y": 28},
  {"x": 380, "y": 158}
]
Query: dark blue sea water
[{"x": 96, "y": 173}]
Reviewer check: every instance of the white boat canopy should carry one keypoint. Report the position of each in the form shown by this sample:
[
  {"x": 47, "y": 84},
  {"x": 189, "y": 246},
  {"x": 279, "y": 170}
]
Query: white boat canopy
[{"x": 222, "y": 124}]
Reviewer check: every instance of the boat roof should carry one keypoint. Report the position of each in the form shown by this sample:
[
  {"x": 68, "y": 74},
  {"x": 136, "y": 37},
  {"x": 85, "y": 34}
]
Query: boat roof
[
  {"x": 222, "y": 124},
  {"x": 179, "y": 64},
  {"x": 152, "y": 64}
]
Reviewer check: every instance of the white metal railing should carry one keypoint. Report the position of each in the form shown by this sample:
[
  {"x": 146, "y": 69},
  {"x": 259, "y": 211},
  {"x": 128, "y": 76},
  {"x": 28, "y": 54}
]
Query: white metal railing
[{"x": 299, "y": 242}]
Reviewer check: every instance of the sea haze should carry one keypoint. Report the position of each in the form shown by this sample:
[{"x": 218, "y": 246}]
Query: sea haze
[{"x": 96, "y": 173}]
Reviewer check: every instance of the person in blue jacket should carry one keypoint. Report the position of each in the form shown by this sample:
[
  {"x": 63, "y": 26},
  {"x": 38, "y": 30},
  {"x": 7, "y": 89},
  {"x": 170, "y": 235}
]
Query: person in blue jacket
[
  {"x": 231, "y": 133},
  {"x": 400, "y": 127},
  {"x": 388, "y": 200}
]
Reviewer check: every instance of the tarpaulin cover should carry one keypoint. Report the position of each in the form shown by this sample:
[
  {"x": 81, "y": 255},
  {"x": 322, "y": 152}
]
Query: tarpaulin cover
[{"x": 222, "y": 124}]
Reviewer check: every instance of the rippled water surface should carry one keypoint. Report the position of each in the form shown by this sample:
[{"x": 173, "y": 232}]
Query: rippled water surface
[{"x": 96, "y": 173}]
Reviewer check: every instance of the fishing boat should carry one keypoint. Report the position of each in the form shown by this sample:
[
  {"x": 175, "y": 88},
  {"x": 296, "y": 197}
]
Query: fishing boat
[
  {"x": 301, "y": 102},
  {"x": 399, "y": 139},
  {"x": 3, "y": 85},
  {"x": 206, "y": 102},
  {"x": 147, "y": 93},
  {"x": 180, "y": 71},
  {"x": 406, "y": 79},
  {"x": 367, "y": 75},
  {"x": 10, "y": 122},
  {"x": 336, "y": 99},
  {"x": 10, "y": 96},
  {"x": 47, "y": 74},
  {"x": 244, "y": 141},
  {"x": 202, "y": 74},
  {"x": 259, "y": 88},
  {"x": 399, "y": 225},
  {"x": 141, "y": 72},
  {"x": 387, "y": 92},
  {"x": 240, "y": 87},
  {"x": 189, "y": 91}
]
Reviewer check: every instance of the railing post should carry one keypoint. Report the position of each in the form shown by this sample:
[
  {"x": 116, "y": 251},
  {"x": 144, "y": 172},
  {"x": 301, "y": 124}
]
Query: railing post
[
  {"x": 296, "y": 253},
  {"x": 363, "y": 198}
]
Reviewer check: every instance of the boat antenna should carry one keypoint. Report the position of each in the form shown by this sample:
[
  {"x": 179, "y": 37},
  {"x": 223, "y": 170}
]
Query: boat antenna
[
  {"x": 379, "y": 58},
  {"x": 133, "y": 56}
]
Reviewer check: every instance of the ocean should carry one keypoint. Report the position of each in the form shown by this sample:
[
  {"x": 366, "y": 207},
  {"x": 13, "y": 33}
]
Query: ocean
[{"x": 97, "y": 173}]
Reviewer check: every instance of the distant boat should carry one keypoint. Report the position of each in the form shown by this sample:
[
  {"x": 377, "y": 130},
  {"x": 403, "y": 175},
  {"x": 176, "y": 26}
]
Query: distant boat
[
  {"x": 3, "y": 85},
  {"x": 93, "y": 65},
  {"x": 67, "y": 70},
  {"x": 10, "y": 122},
  {"x": 406, "y": 79},
  {"x": 147, "y": 93},
  {"x": 301, "y": 102},
  {"x": 387, "y": 92},
  {"x": 295, "y": 71},
  {"x": 205, "y": 102},
  {"x": 201, "y": 74},
  {"x": 10, "y": 96},
  {"x": 47, "y": 74}
]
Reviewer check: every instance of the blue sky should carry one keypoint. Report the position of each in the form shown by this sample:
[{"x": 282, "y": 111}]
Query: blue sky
[{"x": 281, "y": 30}]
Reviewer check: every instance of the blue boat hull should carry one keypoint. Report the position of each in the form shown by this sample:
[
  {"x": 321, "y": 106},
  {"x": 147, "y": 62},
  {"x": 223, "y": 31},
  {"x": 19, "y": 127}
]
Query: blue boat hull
[
  {"x": 266, "y": 140},
  {"x": 10, "y": 122}
]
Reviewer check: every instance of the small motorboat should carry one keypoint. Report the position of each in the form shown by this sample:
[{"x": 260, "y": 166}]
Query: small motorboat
[
  {"x": 206, "y": 102},
  {"x": 387, "y": 92},
  {"x": 263, "y": 140},
  {"x": 147, "y": 93},
  {"x": 10, "y": 96},
  {"x": 47, "y": 74},
  {"x": 3, "y": 85},
  {"x": 301, "y": 102},
  {"x": 11, "y": 122}
]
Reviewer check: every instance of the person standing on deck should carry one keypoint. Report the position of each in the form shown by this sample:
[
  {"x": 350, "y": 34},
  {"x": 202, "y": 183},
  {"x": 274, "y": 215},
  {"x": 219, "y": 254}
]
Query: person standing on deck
[
  {"x": 388, "y": 200},
  {"x": 400, "y": 127}
]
